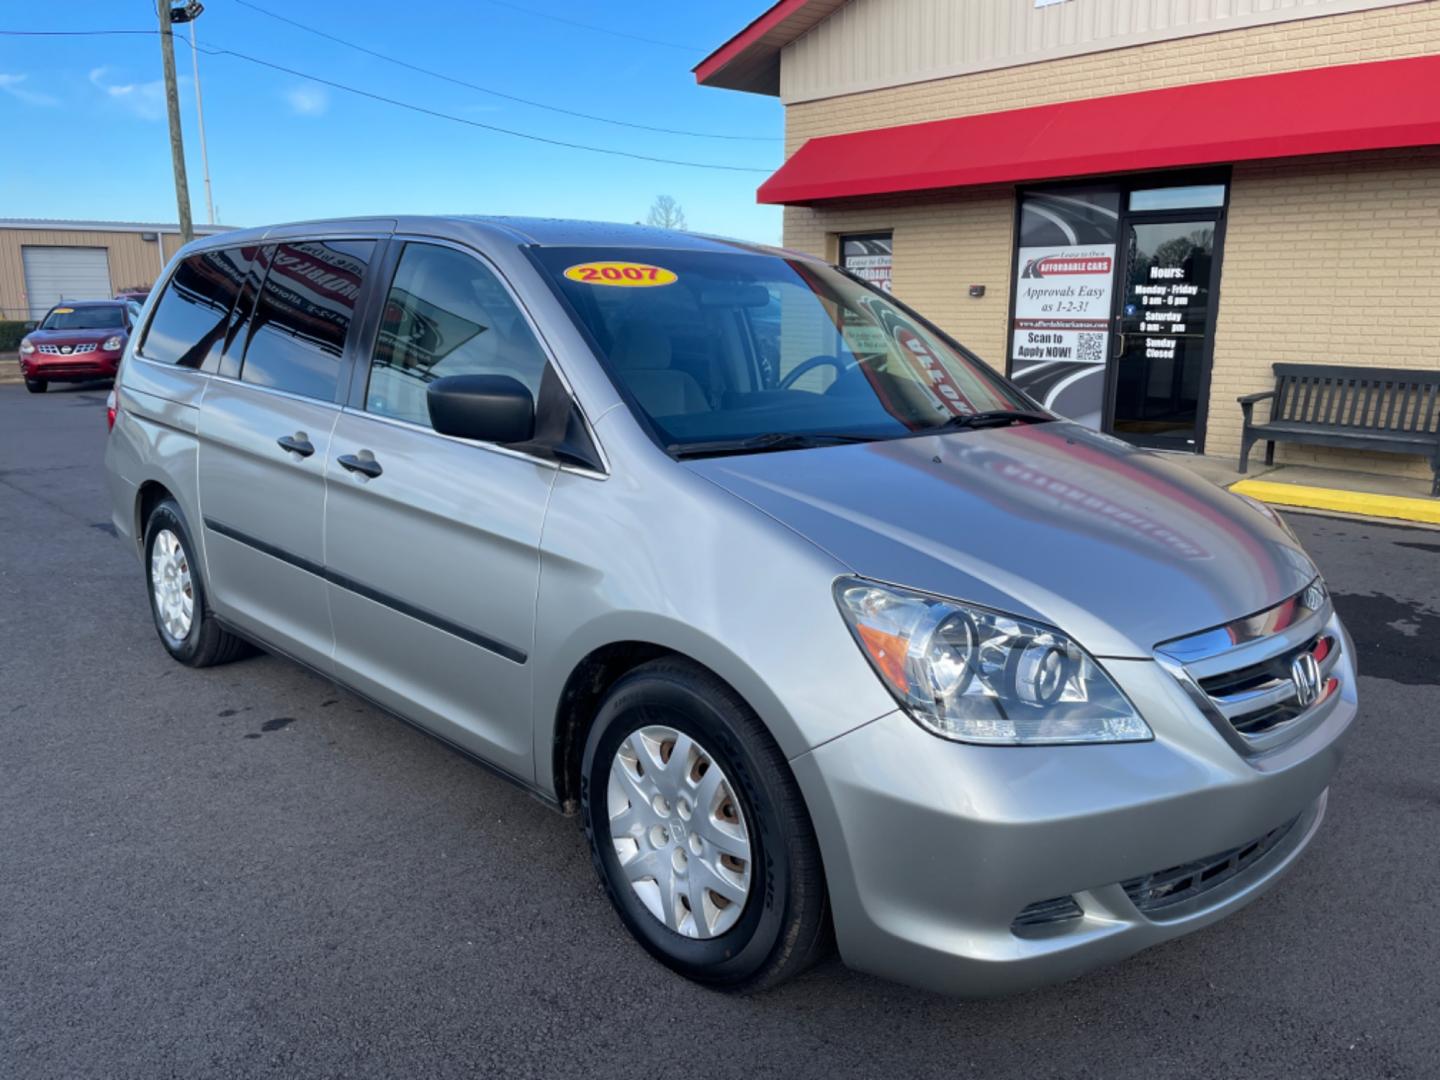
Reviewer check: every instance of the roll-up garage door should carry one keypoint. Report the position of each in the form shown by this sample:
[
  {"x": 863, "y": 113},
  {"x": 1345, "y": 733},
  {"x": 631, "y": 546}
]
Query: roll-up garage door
[{"x": 53, "y": 274}]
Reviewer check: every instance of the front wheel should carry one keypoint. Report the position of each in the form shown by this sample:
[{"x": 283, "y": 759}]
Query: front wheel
[
  {"x": 36, "y": 386},
  {"x": 699, "y": 833}
]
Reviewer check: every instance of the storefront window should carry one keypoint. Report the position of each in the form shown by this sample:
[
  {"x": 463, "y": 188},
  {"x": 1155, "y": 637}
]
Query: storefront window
[
  {"x": 1114, "y": 316},
  {"x": 1178, "y": 198},
  {"x": 1063, "y": 276},
  {"x": 869, "y": 257}
]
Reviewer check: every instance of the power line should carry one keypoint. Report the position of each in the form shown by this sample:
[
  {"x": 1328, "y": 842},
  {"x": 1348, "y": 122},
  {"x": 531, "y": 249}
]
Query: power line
[
  {"x": 476, "y": 123},
  {"x": 70, "y": 33},
  {"x": 489, "y": 90},
  {"x": 215, "y": 51},
  {"x": 593, "y": 27}
]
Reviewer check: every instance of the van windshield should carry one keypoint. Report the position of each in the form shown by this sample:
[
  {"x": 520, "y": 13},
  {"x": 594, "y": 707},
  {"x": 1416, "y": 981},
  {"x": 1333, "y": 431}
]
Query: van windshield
[{"x": 734, "y": 350}]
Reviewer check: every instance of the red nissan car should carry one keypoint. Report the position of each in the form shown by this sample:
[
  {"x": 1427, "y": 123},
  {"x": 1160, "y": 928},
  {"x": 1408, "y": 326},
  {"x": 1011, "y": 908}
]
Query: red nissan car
[{"x": 78, "y": 340}]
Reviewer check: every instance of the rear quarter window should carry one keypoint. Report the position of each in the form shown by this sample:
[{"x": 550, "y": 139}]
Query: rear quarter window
[{"x": 192, "y": 315}]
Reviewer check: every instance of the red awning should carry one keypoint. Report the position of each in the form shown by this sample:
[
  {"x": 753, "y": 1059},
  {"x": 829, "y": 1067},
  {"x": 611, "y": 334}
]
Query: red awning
[{"x": 1373, "y": 106}]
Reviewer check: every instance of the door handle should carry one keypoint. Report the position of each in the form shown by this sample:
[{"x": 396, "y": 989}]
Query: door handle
[
  {"x": 298, "y": 443},
  {"x": 366, "y": 465}
]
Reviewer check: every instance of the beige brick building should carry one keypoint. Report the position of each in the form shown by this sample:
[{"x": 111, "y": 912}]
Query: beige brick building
[
  {"x": 1134, "y": 207},
  {"x": 43, "y": 262}
]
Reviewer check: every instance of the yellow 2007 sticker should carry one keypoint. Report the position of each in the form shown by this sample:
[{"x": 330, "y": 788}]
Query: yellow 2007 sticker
[
  {"x": 623, "y": 274},
  {"x": 64, "y": 310}
]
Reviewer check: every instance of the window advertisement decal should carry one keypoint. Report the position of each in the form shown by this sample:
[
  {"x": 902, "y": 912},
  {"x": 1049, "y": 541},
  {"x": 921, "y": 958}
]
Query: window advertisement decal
[
  {"x": 625, "y": 275},
  {"x": 898, "y": 359},
  {"x": 1065, "y": 271},
  {"x": 870, "y": 258}
]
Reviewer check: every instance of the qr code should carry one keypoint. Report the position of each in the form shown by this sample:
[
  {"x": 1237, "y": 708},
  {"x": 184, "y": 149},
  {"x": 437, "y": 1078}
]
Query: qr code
[{"x": 1090, "y": 348}]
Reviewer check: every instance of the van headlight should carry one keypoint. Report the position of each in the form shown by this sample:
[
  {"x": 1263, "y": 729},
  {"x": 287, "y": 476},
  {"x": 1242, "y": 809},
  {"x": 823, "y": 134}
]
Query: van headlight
[{"x": 981, "y": 676}]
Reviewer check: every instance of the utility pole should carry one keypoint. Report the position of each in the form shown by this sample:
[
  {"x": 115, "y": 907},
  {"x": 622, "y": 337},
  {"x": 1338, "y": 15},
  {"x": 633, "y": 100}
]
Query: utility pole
[
  {"x": 172, "y": 106},
  {"x": 200, "y": 120}
]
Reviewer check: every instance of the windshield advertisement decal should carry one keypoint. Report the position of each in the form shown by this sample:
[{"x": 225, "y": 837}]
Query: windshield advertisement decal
[
  {"x": 932, "y": 373},
  {"x": 625, "y": 275},
  {"x": 927, "y": 373}
]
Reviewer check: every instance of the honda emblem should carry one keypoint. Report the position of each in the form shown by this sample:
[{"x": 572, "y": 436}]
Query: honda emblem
[{"x": 1305, "y": 674}]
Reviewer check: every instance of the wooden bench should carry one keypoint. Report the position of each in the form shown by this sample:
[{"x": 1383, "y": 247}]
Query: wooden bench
[{"x": 1359, "y": 408}]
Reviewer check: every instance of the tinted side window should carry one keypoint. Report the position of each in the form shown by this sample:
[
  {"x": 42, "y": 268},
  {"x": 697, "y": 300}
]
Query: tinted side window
[
  {"x": 298, "y": 331},
  {"x": 191, "y": 317},
  {"x": 258, "y": 259},
  {"x": 446, "y": 314}
]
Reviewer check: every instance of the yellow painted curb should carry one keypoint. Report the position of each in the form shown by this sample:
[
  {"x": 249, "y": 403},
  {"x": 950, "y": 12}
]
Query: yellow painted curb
[{"x": 1343, "y": 502}]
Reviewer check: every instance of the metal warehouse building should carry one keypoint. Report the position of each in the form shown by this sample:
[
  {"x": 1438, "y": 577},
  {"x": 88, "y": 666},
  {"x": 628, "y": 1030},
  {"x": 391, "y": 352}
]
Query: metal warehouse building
[
  {"x": 1134, "y": 207},
  {"x": 43, "y": 262}
]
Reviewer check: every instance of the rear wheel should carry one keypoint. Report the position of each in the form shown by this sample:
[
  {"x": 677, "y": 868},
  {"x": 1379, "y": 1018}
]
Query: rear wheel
[
  {"x": 699, "y": 832},
  {"x": 36, "y": 386},
  {"x": 183, "y": 619}
]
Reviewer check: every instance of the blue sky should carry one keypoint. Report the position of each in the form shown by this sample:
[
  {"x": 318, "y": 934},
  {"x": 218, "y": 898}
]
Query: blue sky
[{"x": 85, "y": 133}]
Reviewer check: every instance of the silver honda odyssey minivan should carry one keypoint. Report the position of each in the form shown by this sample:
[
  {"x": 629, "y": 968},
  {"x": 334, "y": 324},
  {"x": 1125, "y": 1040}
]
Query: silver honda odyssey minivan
[{"x": 826, "y": 631}]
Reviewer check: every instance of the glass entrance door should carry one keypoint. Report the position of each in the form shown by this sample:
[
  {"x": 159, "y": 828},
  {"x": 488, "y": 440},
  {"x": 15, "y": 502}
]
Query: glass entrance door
[{"x": 1165, "y": 324}]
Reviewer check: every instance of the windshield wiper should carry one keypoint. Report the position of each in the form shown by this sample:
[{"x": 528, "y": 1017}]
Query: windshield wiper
[
  {"x": 770, "y": 440},
  {"x": 997, "y": 418}
]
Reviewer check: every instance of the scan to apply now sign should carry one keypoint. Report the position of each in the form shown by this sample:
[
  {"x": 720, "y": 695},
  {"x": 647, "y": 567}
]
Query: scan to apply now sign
[{"x": 1062, "y": 304}]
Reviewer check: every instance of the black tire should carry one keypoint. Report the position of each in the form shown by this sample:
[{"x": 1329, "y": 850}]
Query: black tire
[
  {"x": 206, "y": 644},
  {"x": 784, "y": 926},
  {"x": 36, "y": 386}
]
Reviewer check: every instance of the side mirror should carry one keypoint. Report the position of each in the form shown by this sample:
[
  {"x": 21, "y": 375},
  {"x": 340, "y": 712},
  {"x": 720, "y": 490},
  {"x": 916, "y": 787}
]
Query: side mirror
[
  {"x": 31, "y": 325},
  {"x": 486, "y": 408}
]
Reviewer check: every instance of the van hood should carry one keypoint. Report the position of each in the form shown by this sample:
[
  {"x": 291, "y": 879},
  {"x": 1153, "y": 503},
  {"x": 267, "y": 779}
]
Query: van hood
[{"x": 1120, "y": 548}]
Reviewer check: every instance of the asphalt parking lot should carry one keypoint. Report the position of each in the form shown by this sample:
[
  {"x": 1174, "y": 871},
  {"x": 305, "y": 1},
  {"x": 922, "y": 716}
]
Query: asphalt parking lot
[{"x": 248, "y": 872}]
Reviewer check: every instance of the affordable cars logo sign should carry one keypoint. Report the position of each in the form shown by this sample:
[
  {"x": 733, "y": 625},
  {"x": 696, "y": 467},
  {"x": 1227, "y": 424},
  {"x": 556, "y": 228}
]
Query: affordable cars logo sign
[
  {"x": 1062, "y": 304},
  {"x": 1061, "y": 333},
  {"x": 1067, "y": 266}
]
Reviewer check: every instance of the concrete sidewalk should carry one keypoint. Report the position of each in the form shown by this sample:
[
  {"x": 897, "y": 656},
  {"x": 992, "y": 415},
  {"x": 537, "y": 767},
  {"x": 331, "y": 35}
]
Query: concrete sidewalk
[
  {"x": 10, "y": 368},
  {"x": 1335, "y": 491}
]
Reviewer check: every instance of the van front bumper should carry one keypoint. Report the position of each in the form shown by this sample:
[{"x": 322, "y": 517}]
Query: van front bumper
[{"x": 933, "y": 848}]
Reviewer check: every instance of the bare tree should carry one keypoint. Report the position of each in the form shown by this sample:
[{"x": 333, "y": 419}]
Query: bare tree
[{"x": 666, "y": 213}]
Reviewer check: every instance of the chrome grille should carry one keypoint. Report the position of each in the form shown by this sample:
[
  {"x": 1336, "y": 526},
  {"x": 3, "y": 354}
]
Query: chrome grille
[
  {"x": 1258, "y": 676},
  {"x": 67, "y": 350},
  {"x": 1263, "y": 696}
]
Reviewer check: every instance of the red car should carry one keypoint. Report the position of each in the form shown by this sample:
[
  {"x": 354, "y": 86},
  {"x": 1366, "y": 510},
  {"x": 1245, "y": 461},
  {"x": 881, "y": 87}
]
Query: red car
[{"x": 78, "y": 340}]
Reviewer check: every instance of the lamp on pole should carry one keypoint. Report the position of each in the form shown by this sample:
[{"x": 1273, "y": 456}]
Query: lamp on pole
[
  {"x": 169, "y": 17},
  {"x": 172, "y": 108}
]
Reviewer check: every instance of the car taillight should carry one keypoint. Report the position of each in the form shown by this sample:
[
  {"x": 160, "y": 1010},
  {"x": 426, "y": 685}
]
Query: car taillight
[{"x": 111, "y": 403}]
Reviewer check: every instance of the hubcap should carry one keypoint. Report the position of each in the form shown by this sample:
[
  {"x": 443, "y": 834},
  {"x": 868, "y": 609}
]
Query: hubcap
[
  {"x": 679, "y": 832},
  {"x": 170, "y": 582}
]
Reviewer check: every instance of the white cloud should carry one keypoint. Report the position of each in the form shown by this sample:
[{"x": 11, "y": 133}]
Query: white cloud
[
  {"x": 308, "y": 100},
  {"x": 14, "y": 86},
  {"x": 145, "y": 100}
]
